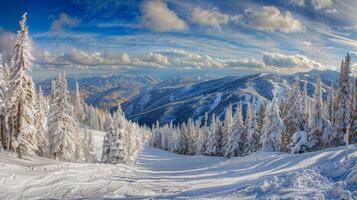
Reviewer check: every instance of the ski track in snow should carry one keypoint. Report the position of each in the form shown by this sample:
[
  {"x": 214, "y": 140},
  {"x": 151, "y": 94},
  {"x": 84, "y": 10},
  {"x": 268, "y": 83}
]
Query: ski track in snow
[
  {"x": 163, "y": 175},
  {"x": 217, "y": 100}
]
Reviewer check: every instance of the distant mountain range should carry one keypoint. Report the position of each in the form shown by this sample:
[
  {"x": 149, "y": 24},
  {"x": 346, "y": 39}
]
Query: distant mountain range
[
  {"x": 178, "y": 102},
  {"x": 107, "y": 91},
  {"x": 146, "y": 99}
]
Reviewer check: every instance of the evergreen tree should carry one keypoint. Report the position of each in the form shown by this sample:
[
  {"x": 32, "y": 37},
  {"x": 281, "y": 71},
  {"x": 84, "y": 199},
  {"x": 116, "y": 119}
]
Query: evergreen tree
[
  {"x": 22, "y": 96},
  {"x": 77, "y": 105},
  {"x": 331, "y": 104},
  {"x": 343, "y": 105},
  {"x": 273, "y": 128},
  {"x": 227, "y": 125},
  {"x": 40, "y": 124},
  {"x": 319, "y": 123},
  {"x": 114, "y": 149},
  {"x": 260, "y": 123},
  {"x": 306, "y": 108},
  {"x": 212, "y": 145},
  {"x": 233, "y": 147},
  {"x": 292, "y": 115},
  {"x": 63, "y": 130},
  {"x": 88, "y": 147},
  {"x": 252, "y": 126}
]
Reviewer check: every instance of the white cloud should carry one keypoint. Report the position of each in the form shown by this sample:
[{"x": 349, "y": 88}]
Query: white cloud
[
  {"x": 158, "y": 17},
  {"x": 7, "y": 41},
  {"x": 269, "y": 18},
  {"x": 212, "y": 18},
  {"x": 188, "y": 60},
  {"x": 152, "y": 60},
  {"x": 315, "y": 4},
  {"x": 296, "y": 2},
  {"x": 290, "y": 61},
  {"x": 63, "y": 21},
  {"x": 246, "y": 63},
  {"x": 192, "y": 60},
  {"x": 76, "y": 58},
  {"x": 321, "y": 4}
]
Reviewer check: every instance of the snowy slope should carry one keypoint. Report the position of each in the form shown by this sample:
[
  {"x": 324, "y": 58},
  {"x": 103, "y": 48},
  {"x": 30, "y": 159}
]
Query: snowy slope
[{"x": 164, "y": 175}]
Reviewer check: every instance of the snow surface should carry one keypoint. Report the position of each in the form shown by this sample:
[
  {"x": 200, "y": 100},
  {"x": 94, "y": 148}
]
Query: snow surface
[{"x": 164, "y": 175}]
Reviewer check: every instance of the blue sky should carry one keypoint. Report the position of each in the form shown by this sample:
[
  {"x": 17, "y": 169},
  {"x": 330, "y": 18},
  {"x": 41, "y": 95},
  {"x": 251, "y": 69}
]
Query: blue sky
[{"x": 175, "y": 37}]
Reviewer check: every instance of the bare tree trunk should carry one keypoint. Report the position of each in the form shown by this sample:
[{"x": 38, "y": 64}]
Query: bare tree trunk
[
  {"x": 11, "y": 135},
  {"x": 3, "y": 132},
  {"x": 18, "y": 126}
]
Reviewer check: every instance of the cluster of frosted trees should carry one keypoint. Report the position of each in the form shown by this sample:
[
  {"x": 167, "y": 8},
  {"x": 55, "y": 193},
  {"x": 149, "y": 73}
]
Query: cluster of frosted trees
[
  {"x": 34, "y": 124},
  {"x": 296, "y": 123},
  {"x": 123, "y": 139}
]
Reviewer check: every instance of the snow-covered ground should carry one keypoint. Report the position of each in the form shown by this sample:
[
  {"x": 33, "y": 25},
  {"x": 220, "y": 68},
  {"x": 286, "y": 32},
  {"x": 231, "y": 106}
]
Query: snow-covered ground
[{"x": 164, "y": 175}]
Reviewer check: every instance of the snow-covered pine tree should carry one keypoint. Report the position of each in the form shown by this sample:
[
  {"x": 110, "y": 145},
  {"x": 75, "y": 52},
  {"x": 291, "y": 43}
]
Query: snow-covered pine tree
[
  {"x": 319, "y": 123},
  {"x": 292, "y": 115},
  {"x": 180, "y": 140},
  {"x": 88, "y": 147},
  {"x": 213, "y": 138},
  {"x": 110, "y": 133},
  {"x": 306, "y": 107},
  {"x": 77, "y": 105},
  {"x": 202, "y": 137},
  {"x": 299, "y": 143},
  {"x": 253, "y": 135},
  {"x": 273, "y": 128},
  {"x": 40, "y": 124},
  {"x": 114, "y": 149},
  {"x": 227, "y": 125},
  {"x": 331, "y": 104},
  {"x": 260, "y": 123},
  {"x": 343, "y": 104},
  {"x": 190, "y": 135},
  {"x": 245, "y": 135},
  {"x": 22, "y": 95},
  {"x": 63, "y": 130},
  {"x": 123, "y": 134},
  {"x": 233, "y": 146},
  {"x": 135, "y": 140}
]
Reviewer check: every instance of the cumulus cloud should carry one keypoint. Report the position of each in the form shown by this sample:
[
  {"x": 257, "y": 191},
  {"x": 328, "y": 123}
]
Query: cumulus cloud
[
  {"x": 289, "y": 61},
  {"x": 189, "y": 60},
  {"x": 76, "y": 58},
  {"x": 63, "y": 21},
  {"x": 171, "y": 58},
  {"x": 79, "y": 58},
  {"x": 245, "y": 63},
  {"x": 192, "y": 60},
  {"x": 158, "y": 17},
  {"x": 212, "y": 18},
  {"x": 269, "y": 18},
  {"x": 152, "y": 60}
]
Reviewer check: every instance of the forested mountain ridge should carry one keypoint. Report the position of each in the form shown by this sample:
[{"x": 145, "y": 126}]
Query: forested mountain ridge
[{"x": 191, "y": 100}]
